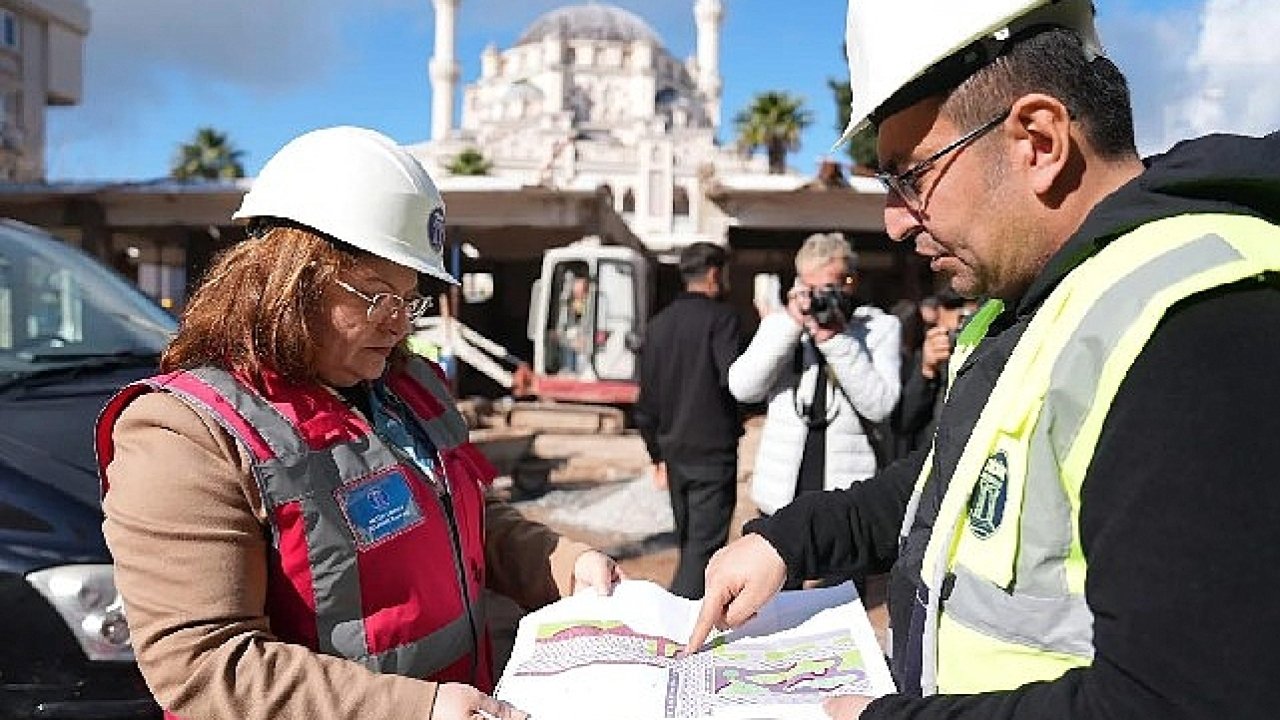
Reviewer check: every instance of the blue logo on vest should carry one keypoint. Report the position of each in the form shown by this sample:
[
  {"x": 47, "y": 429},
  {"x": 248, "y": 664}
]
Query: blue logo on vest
[
  {"x": 986, "y": 505},
  {"x": 379, "y": 508}
]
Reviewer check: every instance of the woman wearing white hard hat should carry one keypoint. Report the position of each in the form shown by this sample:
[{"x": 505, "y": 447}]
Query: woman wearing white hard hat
[{"x": 299, "y": 523}]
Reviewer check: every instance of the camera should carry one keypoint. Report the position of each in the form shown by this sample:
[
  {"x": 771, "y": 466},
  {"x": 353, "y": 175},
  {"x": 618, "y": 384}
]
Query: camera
[{"x": 827, "y": 304}]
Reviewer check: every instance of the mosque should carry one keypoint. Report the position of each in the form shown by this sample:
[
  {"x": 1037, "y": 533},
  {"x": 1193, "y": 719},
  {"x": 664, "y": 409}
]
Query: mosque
[
  {"x": 590, "y": 126},
  {"x": 589, "y": 97}
]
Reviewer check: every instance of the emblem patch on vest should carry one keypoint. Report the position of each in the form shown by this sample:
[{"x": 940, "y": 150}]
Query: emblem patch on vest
[
  {"x": 986, "y": 505},
  {"x": 379, "y": 508}
]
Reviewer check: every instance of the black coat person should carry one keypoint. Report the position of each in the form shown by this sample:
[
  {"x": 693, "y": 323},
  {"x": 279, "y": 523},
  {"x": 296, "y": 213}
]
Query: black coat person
[
  {"x": 1010, "y": 164},
  {"x": 689, "y": 420}
]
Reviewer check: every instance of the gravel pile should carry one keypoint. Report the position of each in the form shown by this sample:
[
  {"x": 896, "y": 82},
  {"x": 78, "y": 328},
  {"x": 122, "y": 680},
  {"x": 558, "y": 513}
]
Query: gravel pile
[{"x": 630, "y": 510}]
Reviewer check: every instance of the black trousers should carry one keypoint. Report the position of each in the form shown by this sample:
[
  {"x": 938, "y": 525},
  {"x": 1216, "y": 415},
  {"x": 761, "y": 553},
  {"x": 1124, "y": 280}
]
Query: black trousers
[{"x": 702, "y": 500}]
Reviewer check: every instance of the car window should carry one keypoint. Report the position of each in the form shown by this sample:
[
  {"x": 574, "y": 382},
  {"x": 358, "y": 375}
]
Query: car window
[{"x": 60, "y": 305}]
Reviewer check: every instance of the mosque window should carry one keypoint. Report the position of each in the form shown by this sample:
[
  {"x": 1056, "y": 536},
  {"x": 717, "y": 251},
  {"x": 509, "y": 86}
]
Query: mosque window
[
  {"x": 9, "y": 37},
  {"x": 679, "y": 201},
  {"x": 580, "y": 103},
  {"x": 628, "y": 201}
]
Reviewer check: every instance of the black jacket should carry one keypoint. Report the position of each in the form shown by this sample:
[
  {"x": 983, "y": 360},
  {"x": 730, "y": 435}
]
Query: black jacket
[
  {"x": 918, "y": 405},
  {"x": 685, "y": 411},
  {"x": 1180, "y": 508}
]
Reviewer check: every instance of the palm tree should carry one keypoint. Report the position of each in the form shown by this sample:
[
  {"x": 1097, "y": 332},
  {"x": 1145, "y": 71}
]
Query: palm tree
[
  {"x": 209, "y": 156},
  {"x": 862, "y": 146},
  {"x": 773, "y": 121},
  {"x": 469, "y": 162}
]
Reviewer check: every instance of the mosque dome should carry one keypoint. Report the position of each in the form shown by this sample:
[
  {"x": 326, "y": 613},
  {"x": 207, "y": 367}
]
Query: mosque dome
[{"x": 590, "y": 22}]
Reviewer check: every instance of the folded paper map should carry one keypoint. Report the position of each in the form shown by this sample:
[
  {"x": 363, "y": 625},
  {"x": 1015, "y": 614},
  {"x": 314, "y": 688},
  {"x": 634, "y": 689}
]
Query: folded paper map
[{"x": 615, "y": 657}]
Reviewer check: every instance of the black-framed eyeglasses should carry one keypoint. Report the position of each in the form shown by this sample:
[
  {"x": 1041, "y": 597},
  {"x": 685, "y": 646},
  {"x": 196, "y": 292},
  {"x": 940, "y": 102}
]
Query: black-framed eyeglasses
[
  {"x": 384, "y": 306},
  {"x": 906, "y": 184}
]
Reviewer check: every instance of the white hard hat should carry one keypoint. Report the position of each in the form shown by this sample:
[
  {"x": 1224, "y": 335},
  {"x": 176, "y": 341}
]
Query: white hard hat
[
  {"x": 360, "y": 187},
  {"x": 894, "y": 44}
]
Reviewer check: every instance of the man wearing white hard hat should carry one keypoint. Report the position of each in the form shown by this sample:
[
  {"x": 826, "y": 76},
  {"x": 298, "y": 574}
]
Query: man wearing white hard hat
[
  {"x": 299, "y": 524},
  {"x": 1092, "y": 531}
]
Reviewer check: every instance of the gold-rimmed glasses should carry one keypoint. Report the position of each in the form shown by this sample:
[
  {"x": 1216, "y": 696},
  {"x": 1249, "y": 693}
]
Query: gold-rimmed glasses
[{"x": 384, "y": 306}]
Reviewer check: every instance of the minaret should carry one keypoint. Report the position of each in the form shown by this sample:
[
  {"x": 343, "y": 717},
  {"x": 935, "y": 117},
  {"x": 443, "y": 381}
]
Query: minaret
[
  {"x": 444, "y": 68},
  {"x": 709, "y": 14}
]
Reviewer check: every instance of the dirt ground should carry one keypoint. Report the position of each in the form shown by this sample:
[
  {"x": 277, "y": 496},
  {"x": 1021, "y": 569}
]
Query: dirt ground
[
  {"x": 599, "y": 491},
  {"x": 582, "y": 463}
]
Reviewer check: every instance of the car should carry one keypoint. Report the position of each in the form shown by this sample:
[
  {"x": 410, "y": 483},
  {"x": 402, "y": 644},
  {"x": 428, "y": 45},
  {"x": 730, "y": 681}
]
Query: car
[{"x": 72, "y": 332}]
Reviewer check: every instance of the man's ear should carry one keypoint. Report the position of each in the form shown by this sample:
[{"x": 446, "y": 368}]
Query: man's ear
[{"x": 1041, "y": 128}]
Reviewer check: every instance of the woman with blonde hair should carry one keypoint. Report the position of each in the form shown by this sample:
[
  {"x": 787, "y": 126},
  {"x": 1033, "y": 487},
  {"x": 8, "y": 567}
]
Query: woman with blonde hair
[{"x": 828, "y": 369}]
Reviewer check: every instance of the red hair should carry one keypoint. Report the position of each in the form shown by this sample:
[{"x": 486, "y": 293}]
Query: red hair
[{"x": 259, "y": 306}]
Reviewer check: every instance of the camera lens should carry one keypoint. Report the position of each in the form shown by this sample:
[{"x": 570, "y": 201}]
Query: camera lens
[{"x": 821, "y": 306}]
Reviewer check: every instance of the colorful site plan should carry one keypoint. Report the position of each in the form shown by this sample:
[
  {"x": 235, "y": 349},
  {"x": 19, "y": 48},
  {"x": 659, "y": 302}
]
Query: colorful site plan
[{"x": 589, "y": 657}]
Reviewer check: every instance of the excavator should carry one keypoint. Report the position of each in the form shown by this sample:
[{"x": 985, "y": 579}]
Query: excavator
[{"x": 587, "y": 312}]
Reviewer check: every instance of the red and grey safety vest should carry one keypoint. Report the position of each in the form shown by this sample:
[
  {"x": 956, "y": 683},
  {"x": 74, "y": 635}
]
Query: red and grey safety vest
[
  {"x": 373, "y": 558},
  {"x": 1004, "y": 567}
]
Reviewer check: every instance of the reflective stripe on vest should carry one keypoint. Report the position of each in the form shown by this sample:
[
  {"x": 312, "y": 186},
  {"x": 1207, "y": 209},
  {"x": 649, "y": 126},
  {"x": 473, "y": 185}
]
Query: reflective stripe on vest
[
  {"x": 407, "y": 601},
  {"x": 1005, "y": 550}
]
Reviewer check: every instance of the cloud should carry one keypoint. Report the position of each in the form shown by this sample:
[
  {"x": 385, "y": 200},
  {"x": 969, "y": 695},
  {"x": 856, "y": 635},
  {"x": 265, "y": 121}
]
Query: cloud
[
  {"x": 1231, "y": 71},
  {"x": 140, "y": 51},
  {"x": 1147, "y": 45},
  {"x": 1196, "y": 67},
  {"x": 145, "y": 58}
]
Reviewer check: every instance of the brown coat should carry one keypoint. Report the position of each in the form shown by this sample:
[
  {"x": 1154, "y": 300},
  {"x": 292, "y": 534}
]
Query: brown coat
[{"x": 185, "y": 524}]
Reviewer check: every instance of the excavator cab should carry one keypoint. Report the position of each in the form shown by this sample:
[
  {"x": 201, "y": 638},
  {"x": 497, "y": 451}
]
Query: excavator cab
[{"x": 586, "y": 317}]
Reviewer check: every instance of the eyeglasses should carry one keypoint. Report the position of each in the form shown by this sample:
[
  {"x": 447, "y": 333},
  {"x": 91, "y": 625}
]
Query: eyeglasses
[
  {"x": 906, "y": 184},
  {"x": 384, "y": 306}
]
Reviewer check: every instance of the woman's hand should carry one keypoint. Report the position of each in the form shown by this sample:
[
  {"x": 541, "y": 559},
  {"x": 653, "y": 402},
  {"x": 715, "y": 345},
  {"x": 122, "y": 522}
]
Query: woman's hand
[
  {"x": 456, "y": 701},
  {"x": 798, "y": 304},
  {"x": 596, "y": 570}
]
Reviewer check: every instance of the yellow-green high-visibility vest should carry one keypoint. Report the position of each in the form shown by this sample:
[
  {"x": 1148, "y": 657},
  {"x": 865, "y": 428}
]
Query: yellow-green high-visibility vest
[{"x": 1005, "y": 549}]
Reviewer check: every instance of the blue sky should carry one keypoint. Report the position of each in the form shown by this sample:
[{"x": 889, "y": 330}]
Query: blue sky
[{"x": 265, "y": 72}]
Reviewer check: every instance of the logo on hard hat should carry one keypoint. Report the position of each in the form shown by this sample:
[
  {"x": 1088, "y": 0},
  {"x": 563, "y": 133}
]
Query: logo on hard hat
[{"x": 435, "y": 230}]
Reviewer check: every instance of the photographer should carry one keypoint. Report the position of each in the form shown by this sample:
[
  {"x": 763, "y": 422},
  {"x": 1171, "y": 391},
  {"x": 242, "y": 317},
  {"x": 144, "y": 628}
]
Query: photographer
[
  {"x": 925, "y": 374},
  {"x": 820, "y": 362}
]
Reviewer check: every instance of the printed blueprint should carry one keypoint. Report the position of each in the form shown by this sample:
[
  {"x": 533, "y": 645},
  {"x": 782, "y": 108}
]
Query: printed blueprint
[{"x": 588, "y": 656}]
